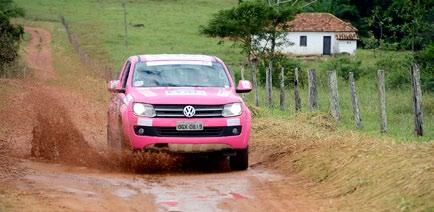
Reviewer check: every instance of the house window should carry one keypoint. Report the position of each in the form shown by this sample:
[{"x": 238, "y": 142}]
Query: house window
[{"x": 303, "y": 41}]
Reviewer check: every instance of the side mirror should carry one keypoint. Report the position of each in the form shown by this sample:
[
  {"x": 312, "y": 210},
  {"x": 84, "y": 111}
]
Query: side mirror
[
  {"x": 244, "y": 86},
  {"x": 113, "y": 86}
]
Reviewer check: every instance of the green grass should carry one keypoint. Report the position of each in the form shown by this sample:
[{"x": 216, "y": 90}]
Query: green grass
[{"x": 172, "y": 26}]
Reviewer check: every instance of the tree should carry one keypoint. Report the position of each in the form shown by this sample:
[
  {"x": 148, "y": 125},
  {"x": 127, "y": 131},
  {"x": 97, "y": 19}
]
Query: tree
[
  {"x": 240, "y": 24},
  {"x": 10, "y": 35},
  {"x": 258, "y": 27},
  {"x": 274, "y": 34}
]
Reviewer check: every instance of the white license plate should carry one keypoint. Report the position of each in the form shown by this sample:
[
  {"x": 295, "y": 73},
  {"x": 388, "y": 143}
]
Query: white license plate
[{"x": 189, "y": 126}]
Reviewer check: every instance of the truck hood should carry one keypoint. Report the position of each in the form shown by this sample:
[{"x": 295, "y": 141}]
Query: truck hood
[{"x": 185, "y": 95}]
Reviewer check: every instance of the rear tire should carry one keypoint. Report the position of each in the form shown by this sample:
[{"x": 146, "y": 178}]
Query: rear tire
[{"x": 240, "y": 161}]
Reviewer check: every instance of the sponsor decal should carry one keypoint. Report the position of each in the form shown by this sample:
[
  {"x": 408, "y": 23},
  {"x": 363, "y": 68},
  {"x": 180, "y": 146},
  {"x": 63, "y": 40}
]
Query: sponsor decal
[
  {"x": 147, "y": 92},
  {"x": 233, "y": 122},
  {"x": 178, "y": 57},
  {"x": 224, "y": 93},
  {"x": 144, "y": 122},
  {"x": 138, "y": 83},
  {"x": 181, "y": 62},
  {"x": 185, "y": 92}
]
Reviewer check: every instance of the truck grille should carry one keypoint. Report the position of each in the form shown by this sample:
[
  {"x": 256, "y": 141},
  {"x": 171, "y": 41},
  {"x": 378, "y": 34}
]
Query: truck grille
[
  {"x": 202, "y": 111},
  {"x": 172, "y": 132}
]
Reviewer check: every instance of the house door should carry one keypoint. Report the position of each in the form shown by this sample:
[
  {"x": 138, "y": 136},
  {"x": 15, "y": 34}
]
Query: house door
[{"x": 327, "y": 45}]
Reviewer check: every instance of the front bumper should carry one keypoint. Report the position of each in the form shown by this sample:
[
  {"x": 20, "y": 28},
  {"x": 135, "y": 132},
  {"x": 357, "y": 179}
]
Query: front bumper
[{"x": 187, "y": 142}]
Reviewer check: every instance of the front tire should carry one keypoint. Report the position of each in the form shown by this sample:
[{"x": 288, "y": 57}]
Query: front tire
[
  {"x": 115, "y": 138},
  {"x": 240, "y": 161}
]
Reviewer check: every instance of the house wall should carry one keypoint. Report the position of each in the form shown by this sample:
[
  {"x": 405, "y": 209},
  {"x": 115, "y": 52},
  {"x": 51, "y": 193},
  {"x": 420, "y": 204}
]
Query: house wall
[
  {"x": 348, "y": 46},
  {"x": 314, "y": 44}
]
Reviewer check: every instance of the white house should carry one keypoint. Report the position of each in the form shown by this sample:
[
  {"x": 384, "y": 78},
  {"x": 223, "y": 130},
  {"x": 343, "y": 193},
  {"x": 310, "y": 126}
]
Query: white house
[{"x": 319, "y": 34}]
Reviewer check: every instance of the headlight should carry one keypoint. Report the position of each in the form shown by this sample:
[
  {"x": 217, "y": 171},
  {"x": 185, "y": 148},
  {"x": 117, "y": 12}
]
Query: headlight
[
  {"x": 141, "y": 109},
  {"x": 233, "y": 109}
]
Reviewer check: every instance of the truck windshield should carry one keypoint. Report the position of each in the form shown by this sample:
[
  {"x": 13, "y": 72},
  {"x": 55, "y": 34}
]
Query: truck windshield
[{"x": 180, "y": 74}]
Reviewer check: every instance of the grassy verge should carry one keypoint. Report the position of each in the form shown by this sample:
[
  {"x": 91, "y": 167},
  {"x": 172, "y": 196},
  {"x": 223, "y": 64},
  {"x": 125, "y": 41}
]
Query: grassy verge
[{"x": 357, "y": 172}]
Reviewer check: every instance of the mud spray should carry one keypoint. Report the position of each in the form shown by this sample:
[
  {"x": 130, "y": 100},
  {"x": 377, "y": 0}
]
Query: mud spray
[{"x": 57, "y": 139}]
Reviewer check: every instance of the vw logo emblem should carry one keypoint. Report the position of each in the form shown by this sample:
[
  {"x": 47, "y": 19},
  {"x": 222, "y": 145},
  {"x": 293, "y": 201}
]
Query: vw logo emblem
[{"x": 189, "y": 111}]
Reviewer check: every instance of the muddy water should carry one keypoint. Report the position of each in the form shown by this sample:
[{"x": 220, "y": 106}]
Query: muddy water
[{"x": 167, "y": 192}]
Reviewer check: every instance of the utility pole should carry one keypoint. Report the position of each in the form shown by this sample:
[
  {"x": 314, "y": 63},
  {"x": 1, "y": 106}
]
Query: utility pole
[{"x": 125, "y": 25}]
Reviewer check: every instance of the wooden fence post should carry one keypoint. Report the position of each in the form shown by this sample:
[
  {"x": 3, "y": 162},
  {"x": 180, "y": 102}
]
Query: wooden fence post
[
  {"x": 269, "y": 83},
  {"x": 382, "y": 99},
  {"x": 417, "y": 100},
  {"x": 333, "y": 94},
  {"x": 355, "y": 102},
  {"x": 255, "y": 84},
  {"x": 313, "y": 94},
  {"x": 296, "y": 93},
  {"x": 282, "y": 88}
]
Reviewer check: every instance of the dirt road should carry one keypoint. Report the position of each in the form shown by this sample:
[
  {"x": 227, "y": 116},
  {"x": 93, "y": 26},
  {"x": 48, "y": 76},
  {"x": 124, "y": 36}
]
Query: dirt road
[{"x": 58, "y": 144}]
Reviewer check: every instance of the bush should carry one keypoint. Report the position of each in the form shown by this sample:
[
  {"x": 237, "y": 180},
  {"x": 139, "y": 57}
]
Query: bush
[
  {"x": 425, "y": 59},
  {"x": 10, "y": 35},
  {"x": 397, "y": 69},
  {"x": 369, "y": 42},
  {"x": 281, "y": 61},
  {"x": 344, "y": 65},
  {"x": 388, "y": 46}
]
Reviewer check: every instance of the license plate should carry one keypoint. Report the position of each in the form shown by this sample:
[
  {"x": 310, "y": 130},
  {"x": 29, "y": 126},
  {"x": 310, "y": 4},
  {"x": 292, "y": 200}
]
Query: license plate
[{"x": 189, "y": 126}]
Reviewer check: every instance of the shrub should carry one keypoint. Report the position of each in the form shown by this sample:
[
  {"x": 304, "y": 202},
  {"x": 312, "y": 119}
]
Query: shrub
[
  {"x": 397, "y": 69},
  {"x": 425, "y": 59},
  {"x": 369, "y": 42},
  {"x": 281, "y": 61},
  {"x": 345, "y": 64},
  {"x": 388, "y": 46},
  {"x": 10, "y": 35}
]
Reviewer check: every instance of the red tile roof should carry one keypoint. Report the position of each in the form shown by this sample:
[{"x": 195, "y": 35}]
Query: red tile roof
[{"x": 319, "y": 22}]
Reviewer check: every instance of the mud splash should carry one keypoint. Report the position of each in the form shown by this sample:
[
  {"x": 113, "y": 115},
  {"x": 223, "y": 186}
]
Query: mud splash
[{"x": 57, "y": 139}]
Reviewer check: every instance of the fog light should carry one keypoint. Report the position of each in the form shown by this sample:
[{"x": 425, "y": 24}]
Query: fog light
[
  {"x": 141, "y": 131},
  {"x": 235, "y": 131}
]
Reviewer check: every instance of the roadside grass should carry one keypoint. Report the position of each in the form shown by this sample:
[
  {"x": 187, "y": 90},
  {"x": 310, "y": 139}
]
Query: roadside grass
[{"x": 355, "y": 171}]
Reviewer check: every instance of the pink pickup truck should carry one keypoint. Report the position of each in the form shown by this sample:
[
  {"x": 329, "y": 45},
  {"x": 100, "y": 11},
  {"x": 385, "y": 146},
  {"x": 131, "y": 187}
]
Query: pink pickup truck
[{"x": 179, "y": 103}]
